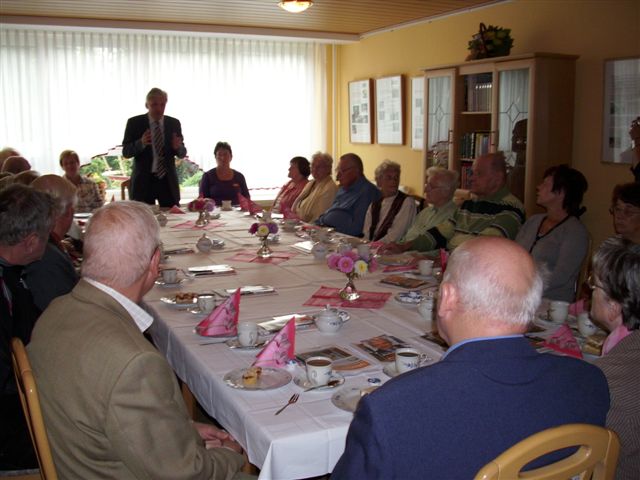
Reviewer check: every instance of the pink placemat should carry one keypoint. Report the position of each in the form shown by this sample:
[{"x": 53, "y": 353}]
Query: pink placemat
[
  {"x": 248, "y": 256},
  {"x": 191, "y": 225},
  {"x": 327, "y": 295}
]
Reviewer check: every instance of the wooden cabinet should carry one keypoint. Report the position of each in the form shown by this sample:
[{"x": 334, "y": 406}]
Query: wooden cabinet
[{"x": 521, "y": 105}]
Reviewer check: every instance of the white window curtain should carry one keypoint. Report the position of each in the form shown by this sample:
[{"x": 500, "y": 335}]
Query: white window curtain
[{"x": 72, "y": 88}]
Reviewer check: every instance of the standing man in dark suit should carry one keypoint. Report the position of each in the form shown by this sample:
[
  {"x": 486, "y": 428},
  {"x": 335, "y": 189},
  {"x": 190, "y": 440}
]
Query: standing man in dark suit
[
  {"x": 154, "y": 139},
  {"x": 490, "y": 390}
]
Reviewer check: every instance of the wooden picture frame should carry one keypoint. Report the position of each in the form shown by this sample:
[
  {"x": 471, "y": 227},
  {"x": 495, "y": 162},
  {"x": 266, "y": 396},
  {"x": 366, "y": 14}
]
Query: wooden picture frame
[
  {"x": 621, "y": 105},
  {"x": 417, "y": 113},
  {"x": 389, "y": 110},
  {"x": 360, "y": 111}
]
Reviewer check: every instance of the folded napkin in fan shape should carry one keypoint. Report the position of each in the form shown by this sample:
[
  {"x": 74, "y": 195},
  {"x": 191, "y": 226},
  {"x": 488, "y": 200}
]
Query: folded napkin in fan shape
[
  {"x": 444, "y": 257},
  {"x": 331, "y": 296},
  {"x": 248, "y": 205},
  {"x": 223, "y": 320},
  {"x": 280, "y": 348},
  {"x": 563, "y": 341},
  {"x": 176, "y": 209},
  {"x": 576, "y": 308}
]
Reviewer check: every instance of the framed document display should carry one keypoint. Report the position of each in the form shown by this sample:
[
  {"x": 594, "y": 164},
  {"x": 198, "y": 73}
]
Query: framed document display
[
  {"x": 417, "y": 113},
  {"x": 389, "y": 114},
  {"x": 360, "y": 111},
  {"x": 621, "y": 107}
]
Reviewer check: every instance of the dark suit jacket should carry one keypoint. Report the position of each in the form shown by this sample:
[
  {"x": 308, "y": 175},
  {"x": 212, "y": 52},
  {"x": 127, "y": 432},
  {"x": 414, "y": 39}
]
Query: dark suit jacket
[
  {"x": 110, "y": 401},
  {"x": 448, "y": 420},
  {"x": 143, "y": 155}
]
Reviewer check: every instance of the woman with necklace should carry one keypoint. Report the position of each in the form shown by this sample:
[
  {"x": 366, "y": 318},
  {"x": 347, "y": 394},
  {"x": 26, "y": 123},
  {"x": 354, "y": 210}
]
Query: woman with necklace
[{"x": 557, "y": 239}]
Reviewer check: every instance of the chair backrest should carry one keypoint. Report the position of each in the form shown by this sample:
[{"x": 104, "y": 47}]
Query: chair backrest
[
  {"x": 595, "y": 459},
  {"x": 31, "y": 407}
]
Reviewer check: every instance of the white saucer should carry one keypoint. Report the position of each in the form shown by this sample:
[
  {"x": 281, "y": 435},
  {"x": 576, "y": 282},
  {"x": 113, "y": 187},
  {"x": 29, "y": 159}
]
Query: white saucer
[
  {"x": 162, "y": 283},
  {"x": 235, "y": 344},
  {"x": 304, "y": 383}
]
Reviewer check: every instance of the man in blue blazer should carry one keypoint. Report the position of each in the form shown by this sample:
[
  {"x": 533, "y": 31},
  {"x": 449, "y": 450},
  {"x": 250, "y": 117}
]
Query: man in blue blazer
[
  {"x": 154, "y": 140},
  {"x": 489, "y": 391}
]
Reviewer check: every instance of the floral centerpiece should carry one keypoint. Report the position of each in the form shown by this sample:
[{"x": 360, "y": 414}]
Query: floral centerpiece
[
  {"x": 353, "y": 266},
  {"x": 203, "y": 206},
  {"x": 262, "y": 230},
  {"x": 491, "y": 41}
]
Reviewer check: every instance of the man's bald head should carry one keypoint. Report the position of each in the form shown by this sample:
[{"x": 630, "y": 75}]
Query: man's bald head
[{"x": 497, "y": 283}]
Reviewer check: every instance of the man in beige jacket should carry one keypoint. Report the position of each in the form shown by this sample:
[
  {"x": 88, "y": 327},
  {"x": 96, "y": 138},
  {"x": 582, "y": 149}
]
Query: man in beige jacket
[{"x": 111, "y": 404}]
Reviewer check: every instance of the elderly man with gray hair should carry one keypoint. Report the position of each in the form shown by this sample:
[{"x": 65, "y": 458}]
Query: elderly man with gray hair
[
  {"x": 439, "y": 188},
  {"x": 54, "y": 274},
  {"x": 26, "y": 217},
  {"x": 110, "y": 400},
  {"x": 490, "y": 390},
  {"x": 389, "y": 217}
]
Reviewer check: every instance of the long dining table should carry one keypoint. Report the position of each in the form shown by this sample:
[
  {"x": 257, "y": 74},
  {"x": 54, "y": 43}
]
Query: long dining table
[{"x": 306, "y": 439}]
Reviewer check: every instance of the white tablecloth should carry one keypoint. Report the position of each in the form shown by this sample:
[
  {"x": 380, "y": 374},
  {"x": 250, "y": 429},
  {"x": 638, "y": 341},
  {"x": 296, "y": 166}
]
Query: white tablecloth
[{"x": 308, "y": 438}]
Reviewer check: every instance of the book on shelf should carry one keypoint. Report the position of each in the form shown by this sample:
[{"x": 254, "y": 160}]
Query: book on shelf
[
  {"x": 478, "y": 92},
  {"x": 474, "y": 144},
  {"x": 465, "y": 174}
]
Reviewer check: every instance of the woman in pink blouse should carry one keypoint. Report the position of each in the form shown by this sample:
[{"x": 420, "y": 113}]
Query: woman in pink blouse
[{"x": 299, "y": 171}]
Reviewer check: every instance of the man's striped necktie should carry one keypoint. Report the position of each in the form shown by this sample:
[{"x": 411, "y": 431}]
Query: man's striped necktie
[{"x": 158, "y": 145}]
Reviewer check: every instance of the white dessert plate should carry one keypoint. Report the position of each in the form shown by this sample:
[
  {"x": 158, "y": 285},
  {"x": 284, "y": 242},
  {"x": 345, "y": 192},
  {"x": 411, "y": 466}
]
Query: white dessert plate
[
  {"x": 270, "y": 379},
  {"x": 347, "y": 398},
  {"x": 162, "y": 283}
]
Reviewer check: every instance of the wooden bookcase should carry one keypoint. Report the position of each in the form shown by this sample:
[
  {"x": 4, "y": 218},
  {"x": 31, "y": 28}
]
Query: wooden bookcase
[{"x": 521, "y": 105}]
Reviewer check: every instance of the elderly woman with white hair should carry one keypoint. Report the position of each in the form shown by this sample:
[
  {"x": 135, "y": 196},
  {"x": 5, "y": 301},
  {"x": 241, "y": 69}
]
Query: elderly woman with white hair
[
  {"x": 615, "y": 305},
  {"x": 318, "y": 194},
  {"x": 388, "y": 219}
]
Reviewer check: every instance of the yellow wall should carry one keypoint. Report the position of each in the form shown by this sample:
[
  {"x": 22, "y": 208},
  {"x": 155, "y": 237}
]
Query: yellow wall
[{"x": 593, "y": 29}]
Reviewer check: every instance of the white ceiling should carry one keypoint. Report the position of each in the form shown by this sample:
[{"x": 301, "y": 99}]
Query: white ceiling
[{"x": 329, "y": 19}]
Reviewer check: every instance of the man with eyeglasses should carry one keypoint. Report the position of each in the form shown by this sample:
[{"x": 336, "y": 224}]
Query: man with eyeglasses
[
  {"x": 625, "y": 208},
  {"x": 355, "y": 194}
]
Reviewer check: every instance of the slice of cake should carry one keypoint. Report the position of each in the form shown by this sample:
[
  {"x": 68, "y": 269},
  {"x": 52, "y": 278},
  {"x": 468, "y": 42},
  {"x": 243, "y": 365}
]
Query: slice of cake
[{"x": 251, "y": 376}]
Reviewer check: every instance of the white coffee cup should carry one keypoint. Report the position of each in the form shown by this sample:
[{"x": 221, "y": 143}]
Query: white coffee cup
[
  {"x": 247, "y": 334},
  {"x": 226, "y": 205},
  {"x": 585, "y": 326},
  {"x": 170, "y": 275},
  {"x": 558, "y": 311},
  {"x": 425, "y": 267},
  {"x": 319, "y": 370},
  {"x": 206, "y": 302},
  {"x": 407, "y": 359},
  {"x": 364, "y": 250}
]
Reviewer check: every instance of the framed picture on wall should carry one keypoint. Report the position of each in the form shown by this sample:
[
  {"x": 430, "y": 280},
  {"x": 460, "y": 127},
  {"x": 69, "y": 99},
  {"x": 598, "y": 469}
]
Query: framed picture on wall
[
  {"x": 417, "y": 113},
  {"x": 389, "y": 113},
  {"x": 360, "y": 111},
  {"x": 621, "y": 107}
]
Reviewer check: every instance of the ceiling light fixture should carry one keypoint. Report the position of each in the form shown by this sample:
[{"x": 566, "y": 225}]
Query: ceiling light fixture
[{"x": 295, "y": 6}]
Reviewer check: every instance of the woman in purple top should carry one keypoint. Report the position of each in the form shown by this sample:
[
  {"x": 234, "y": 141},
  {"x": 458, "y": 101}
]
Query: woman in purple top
[{"x": 223, "y": 183}]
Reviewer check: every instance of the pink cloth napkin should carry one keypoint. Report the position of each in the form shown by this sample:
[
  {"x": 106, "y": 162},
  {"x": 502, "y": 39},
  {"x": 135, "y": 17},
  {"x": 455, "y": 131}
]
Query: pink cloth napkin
[
  {"x": 247, "y": 205},
  {"x": 327, "y": 295},
  {"x": 223, "y": 320},
  {"x": 576, "y": 308},
  {"x": 288, "y": 214},
  {"x": 444, "y": 257},
  {"x": 248, "y": 256},
  {"x": 191, "y": 225},
  {"x": 563, "y": 341},
  {"x": 176, "y": 209},
  {"x": 280, "y": 348}
]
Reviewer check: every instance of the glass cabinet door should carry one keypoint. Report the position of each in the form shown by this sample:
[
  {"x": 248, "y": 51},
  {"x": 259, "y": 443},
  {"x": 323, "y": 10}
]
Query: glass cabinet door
[
  {"x": 513, "y": 114},
  {"x": 439, "y": 120}
]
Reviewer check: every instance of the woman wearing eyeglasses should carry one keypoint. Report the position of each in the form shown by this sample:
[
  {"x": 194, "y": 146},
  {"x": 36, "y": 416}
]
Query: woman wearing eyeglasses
[
  {"x": 558, "y": 239},
  {"x": 625, "y": 208},
  {"x": 615, "y": 305}
]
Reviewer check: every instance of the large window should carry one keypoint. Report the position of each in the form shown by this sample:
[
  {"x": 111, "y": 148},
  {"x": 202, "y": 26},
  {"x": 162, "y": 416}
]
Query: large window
[{"x": 76, "y": 88}]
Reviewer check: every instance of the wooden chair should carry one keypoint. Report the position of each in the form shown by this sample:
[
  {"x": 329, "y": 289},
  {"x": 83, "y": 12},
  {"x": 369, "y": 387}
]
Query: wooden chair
[
  {"x": 31, "y": 407},
  {"x": 595, "y": 459},
  {"x": 125, "y": 189}
]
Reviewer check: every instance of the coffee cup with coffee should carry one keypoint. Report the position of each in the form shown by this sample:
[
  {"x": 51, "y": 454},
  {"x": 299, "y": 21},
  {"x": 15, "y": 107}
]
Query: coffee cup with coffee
[
  {"x": 407, "y": 359},
  {"x": 319, "y": 370}
]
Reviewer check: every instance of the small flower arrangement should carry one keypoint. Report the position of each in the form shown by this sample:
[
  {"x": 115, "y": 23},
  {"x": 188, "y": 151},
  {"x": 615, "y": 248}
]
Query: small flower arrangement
[
  {"x": 491, "y": 41},
  {"x": 352, "y": 264},
  {"x": 263, "y": 229},
  {"x": 201, "y": 204}
]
